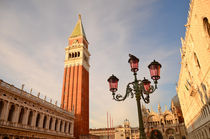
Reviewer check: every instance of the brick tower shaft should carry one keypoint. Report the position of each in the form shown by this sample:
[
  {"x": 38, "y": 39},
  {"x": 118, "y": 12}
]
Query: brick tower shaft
[{"x": 75, "y": 92}]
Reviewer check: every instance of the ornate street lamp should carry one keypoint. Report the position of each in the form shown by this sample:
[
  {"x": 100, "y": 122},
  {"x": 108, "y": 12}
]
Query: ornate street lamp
[{"x": 139, "y": 88}]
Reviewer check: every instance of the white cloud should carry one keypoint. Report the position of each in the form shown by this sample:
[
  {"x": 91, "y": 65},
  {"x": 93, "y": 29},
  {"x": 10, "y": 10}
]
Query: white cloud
[{"x": 33, "y": 39}]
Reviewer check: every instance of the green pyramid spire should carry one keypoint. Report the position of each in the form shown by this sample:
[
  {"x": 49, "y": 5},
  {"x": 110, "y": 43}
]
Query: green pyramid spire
[{"x": 78, "y": 29}]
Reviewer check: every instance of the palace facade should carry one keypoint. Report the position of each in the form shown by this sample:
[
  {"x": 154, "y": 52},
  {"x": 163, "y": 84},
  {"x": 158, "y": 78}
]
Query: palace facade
[
  {"x": 25, "y": 116},
  {"x": 193, "y": 87}
]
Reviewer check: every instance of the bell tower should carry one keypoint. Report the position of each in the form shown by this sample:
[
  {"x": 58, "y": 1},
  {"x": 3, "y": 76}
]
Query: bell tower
[{"x": 75, "y": 92}]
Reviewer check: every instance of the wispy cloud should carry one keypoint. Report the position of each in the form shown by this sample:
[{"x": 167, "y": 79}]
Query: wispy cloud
[{"x": 33, "y": 35}]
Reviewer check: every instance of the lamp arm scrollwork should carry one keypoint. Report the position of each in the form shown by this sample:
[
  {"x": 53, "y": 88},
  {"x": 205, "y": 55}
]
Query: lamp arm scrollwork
[
  {"x": 152, "y": 89},
  {"x": 146, "y": 99},
  {"x": 119, "y": 97}
]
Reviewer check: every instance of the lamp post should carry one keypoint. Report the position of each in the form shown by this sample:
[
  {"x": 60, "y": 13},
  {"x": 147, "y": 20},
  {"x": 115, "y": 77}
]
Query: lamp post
[{"x": 139, "y": 88}]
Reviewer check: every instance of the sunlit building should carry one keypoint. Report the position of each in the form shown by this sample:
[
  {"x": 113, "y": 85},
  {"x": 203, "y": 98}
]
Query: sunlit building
[
  {"x": 193, "y": 87},
  {"x": 167, "y": 124},
  {"x": 23, "y": 115}
]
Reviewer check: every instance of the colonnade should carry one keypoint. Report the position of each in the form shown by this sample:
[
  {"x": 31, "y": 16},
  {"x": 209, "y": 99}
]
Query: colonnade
[
  {"x": 204, "y": 131},
  {"x": 20, "y": 116}
]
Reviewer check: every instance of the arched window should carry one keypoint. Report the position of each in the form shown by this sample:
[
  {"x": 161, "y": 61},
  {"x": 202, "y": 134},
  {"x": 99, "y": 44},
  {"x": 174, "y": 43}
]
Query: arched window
[
  {"x": 1, "y": 107},
  {"x": 78, "y": 54},
  {"x": 61, "y": 126},
  {"x": 20, "y": 120},
  {"x": 37, "y": 119},
  {"x": 30, "y": 118},
  {"x": 50, "y": 124},
  {"x": 44, "y": 122},
  {"x": 72, "y": 55},
  {"x": 11, "y": 112},
  {"x": 69, "y": 55},
  {"x": 75, "y": 54},
  {"x": 56, "y": 122},
  {"x": 206, "y": 25}
]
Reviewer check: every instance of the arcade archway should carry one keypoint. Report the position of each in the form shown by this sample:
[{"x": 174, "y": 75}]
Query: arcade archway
[{"x": 156, "y": 134}]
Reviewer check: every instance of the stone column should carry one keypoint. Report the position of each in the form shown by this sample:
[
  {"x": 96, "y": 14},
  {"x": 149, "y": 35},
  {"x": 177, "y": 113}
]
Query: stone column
[
  {"x": 16, "y": 114},
  {"x": 62, "y": 128},
  {"x": 5, "y": 111},
  {"x": 25, "y": 116},
  {"x": 72, "y": 128},
  {"x": 34, "y": 119},
  {"x": 47, "y": 122},
  {"x": 67, "y": 127},
  {"x": 41, "y": 120},
  {"x": 58, "y": 125},
  {"x": 53, "y": 123}
]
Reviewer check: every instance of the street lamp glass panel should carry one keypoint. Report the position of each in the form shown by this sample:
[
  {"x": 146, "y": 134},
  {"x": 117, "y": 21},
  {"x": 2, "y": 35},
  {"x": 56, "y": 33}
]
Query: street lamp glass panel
[
  {"x": 134, "y": 63},
  {"x": 154, "y": 68},
  {"x": 113, "y": 83},
  {"x": 146, "y": 84}
]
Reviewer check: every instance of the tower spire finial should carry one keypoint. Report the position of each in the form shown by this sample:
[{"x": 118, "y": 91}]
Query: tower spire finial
[{"x": 78, "y": 29}]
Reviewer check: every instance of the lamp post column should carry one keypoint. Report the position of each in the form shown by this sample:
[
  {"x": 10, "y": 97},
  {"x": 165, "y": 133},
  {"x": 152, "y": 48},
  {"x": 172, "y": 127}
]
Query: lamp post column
[{"x": 142, "y": 134}]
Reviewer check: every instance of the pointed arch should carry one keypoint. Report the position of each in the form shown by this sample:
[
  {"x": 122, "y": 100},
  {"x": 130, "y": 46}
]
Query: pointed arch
[{"x": 206, "y": 25}]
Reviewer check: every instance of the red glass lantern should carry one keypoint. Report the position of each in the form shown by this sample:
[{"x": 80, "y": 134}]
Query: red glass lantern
[
  {"x": 146, "y": 84},
  {"x": 134, "y": 63},
  {"x": 154, "y": 68},
  {"x": 113, "y": 83}
]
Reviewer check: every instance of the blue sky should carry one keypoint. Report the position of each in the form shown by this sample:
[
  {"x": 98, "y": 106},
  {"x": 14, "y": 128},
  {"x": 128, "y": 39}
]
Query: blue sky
[{"x": 34, "y": 34}]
